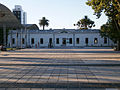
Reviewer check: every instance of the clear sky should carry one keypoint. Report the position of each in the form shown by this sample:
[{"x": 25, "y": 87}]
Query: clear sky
[{"x": 60, "y": 13}]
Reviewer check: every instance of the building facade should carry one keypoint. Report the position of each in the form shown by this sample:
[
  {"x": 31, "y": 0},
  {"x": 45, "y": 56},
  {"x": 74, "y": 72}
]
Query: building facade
[
  {"x": 57, "y": 38},
  {"x": 20, "y": 14}
]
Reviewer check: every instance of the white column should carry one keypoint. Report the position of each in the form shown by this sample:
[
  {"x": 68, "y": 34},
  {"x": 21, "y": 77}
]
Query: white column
[
  {"x": 73, "y": 39},
  {"x": 4, "y": 35},
  {"x": 21, "y": 38},
  {"x": 53, "y": 40},
  {"x": 16, "y": 38},
  {"x": 11, "y": 44}
]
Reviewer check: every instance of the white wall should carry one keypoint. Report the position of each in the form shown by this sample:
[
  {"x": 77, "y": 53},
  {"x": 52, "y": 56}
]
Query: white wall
[
  {"x": 61, "y": 36},
  {"x": 37, "y": 35},
  {"x": 37, "y": 39}
]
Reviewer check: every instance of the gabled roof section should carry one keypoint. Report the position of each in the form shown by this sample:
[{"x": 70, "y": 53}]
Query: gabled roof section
[
  {"x": 31, "y": 26},
  {"x": 7, "y": 18}
]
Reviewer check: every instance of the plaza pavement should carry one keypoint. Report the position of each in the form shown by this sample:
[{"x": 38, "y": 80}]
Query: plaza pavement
[{"x": 60, "y": 69}]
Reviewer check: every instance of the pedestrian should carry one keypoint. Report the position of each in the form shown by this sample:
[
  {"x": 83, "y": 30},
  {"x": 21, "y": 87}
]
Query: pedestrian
[{"x": 0, "y": 48}]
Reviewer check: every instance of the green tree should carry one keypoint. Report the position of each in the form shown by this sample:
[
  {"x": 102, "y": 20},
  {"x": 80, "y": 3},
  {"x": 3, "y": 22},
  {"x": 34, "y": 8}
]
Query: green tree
[
  {"x": 109, "y": 30},
  {"x": 85, "y": 23},
  {"x": 111, "y": 8},
  {"x": 44, "y": 22}
]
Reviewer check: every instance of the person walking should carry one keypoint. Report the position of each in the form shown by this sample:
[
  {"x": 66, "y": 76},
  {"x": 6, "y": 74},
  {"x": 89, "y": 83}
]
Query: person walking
[{"x": 0, "y": 48}]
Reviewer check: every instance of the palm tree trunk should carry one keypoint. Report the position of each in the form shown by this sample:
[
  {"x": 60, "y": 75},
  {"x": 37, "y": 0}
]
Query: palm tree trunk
[
  {"x": 85, "y": 26},
  {"x": 43, "y": 27}
]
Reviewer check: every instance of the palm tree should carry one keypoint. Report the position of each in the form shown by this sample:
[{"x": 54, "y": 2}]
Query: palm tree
[
  {"x": 85, "y": 23},
  {"x": 43, "y": 22}
]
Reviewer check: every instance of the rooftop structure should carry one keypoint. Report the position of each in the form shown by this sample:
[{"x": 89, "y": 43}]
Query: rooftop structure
[
  {"x": 20, "y": 14},
  {"x": 31, "y": 26}
]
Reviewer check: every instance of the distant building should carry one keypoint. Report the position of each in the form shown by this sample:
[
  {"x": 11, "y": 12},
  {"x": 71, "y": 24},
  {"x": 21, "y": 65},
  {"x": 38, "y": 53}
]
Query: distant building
[
  {"x": 20, "y": 14},
  {"x": 24, "y": 18},
  {"x": 58, "y": 38}
]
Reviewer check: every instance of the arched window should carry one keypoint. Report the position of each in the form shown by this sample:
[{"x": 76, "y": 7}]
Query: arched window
[
  {"x": 105, "y": 40},
  {"x": 57, "y": 40},
  {"x": 41, "y": 40},
  {"x": 95, "y": 41},
  {"x": 32, "y": 41},
  {"x": 70, "y": 40},
  {"x": 77, "y": 40},
  {"x": 13, "y": 40},
  {"x": 86, "y": 40}
]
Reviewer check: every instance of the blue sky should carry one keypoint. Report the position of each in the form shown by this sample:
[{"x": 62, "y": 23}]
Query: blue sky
[{"x": 60, "y": 13}]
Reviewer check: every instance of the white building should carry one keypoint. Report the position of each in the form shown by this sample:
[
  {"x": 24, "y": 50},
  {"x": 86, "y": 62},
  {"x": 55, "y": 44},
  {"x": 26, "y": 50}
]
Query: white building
[
  {"x": 24, "y": 18},
  {"x": 57, "y": 38},
  {"x": 20, "y": 14}
]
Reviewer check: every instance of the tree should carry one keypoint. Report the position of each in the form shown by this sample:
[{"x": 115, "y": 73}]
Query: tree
[
  {"x": 85, "y": 23},
  {"x": 109, "y": 30},
  {"x": 111, "y": 9},
  {"x": 44, "y": 22}
]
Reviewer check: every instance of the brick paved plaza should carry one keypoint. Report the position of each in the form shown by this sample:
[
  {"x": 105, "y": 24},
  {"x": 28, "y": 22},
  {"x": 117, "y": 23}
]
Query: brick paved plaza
[{"x": 60, "y": 69}]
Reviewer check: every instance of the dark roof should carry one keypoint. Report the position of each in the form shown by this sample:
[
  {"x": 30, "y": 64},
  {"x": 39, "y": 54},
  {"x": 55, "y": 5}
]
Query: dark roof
[
  {"x": 65, "y": 31},
  {"x": 31, "y": 26},
  {"x": 7, "y": 18}
]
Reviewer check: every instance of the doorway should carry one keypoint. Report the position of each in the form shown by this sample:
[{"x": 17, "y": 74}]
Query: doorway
[{"x": 64, "y": 41}]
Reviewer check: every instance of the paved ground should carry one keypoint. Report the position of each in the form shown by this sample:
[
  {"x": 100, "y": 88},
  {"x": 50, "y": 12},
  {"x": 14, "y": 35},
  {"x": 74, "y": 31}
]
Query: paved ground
[{"x": 60, "y": 69}]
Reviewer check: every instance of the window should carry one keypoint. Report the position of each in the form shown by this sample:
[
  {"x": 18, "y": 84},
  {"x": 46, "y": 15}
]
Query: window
[
  {"x": 13, "y": 41},
  {"x": 23, "y": 41},
  {"x": 95, "y": 40},
  {"x": 86, "y": 40},
  {"x": 70, "y": 40},
  {"x": 50, "y": 40},
  {"x": 32, "y": 40},
  {"x": 41, "y": 40},
  {"x": 105, "y": 40},
  {"x": 57, "y": 40},
  {"x": 77, "y": 41}
]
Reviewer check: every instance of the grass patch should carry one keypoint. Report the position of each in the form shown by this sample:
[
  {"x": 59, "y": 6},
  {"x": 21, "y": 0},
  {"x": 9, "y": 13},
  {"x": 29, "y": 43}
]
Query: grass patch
[{"x": 10, "y": 49}]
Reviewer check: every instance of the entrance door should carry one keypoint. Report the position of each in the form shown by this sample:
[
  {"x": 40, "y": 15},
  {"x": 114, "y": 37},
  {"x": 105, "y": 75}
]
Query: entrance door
[
  {"x": 64, "y": 41},
  {"x": 86, "y": 41}
]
